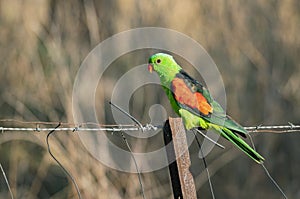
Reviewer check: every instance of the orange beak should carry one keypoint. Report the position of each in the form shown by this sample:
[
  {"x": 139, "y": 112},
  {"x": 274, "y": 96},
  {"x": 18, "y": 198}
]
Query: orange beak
[{"x": 150, "y": 68}]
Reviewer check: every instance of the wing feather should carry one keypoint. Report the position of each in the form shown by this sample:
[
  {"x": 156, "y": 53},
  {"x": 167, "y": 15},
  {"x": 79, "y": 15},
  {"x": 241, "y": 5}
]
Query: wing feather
[{"x": 191, "y": 95}]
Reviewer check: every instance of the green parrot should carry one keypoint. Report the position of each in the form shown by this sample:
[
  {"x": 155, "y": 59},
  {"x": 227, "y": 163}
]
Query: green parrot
[{"x": 193, "y": 102}]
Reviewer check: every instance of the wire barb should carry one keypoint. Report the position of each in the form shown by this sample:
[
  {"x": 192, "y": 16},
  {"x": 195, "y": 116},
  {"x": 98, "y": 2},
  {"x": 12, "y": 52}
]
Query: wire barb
[{"x": 291, "y": 124}]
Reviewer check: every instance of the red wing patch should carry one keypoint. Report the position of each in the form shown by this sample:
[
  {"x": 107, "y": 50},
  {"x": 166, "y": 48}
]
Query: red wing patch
[{"x": 185, "y": 96}]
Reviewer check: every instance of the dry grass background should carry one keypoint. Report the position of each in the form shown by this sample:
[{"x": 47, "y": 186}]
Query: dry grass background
[{"x": 255, "y": 44}]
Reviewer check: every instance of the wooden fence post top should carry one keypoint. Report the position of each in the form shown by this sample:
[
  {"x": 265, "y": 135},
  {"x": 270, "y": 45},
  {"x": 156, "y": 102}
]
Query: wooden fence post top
[{"x": 182, "y": 180}]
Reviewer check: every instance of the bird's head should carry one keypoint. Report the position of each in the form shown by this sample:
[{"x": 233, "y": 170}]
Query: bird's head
[{"x": 164, "y": 65}]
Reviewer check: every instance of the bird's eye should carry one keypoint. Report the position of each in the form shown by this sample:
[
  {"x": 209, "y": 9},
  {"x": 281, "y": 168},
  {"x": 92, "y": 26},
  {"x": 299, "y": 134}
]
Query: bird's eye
[{"x": 158, "y": 61}]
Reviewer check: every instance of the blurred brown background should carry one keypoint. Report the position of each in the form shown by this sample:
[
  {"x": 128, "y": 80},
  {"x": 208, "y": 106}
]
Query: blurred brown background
[{"x": 255, "y": 44}]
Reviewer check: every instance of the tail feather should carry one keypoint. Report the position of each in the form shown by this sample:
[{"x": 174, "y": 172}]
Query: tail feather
[
  {"x": 240, "y": 143},
  {"x": 235, "y": 127}
]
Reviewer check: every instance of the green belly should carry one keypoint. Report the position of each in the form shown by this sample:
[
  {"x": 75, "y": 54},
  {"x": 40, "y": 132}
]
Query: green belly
[{"x": 190, "y": 120}]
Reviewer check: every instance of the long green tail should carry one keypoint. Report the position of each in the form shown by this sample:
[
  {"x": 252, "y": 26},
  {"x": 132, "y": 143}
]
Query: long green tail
[{"x": 239, "y": 142}]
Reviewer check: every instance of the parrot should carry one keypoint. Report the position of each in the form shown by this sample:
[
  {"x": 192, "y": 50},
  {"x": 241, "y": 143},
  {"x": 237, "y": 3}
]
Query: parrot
[{"x": 194, "y": 104}]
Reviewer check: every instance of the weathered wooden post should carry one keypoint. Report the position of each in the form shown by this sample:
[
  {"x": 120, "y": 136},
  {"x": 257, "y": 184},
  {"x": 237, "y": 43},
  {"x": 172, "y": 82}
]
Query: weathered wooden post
[{"x": 182, "y": 180}]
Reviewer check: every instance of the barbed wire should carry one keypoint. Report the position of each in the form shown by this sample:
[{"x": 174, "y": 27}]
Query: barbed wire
[
  {"x": 289, "y": 128},
  {"x": 90, "y": 126},
  {"x": 147, "y": 127},
  {"x": 95, "y": 127},
  {"x": 87, "y": 126}
]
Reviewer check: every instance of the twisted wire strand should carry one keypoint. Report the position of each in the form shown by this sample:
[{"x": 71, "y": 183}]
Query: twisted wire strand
[{"x": 90, "y": 126}]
